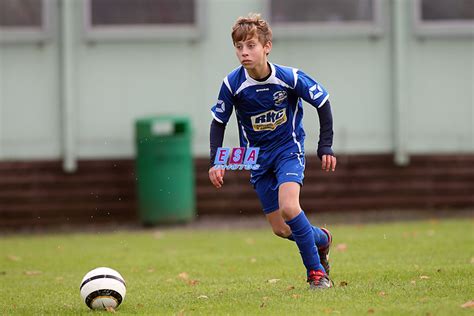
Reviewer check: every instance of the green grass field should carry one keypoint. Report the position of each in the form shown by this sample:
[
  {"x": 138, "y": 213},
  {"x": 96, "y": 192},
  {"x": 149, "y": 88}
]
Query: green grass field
[{"x": 413, "y": 268}]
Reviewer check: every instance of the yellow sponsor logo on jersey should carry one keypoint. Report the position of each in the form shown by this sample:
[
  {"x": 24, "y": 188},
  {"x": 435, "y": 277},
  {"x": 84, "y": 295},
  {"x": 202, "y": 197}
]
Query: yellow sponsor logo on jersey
[{"x": 268, "y": 121}]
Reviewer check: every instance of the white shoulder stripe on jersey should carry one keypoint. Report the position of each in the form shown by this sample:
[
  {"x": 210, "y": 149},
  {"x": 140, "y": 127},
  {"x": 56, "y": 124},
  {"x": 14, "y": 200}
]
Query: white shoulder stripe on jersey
[
  {"x": 226, "y": 81},
  {"x": 216, "y": 118},
  {"x": 324, "y": 101},
  {"x": 295, "y": 77},
  {"x": 281, "y": 83},
  {"x": 244, "y": 85}
]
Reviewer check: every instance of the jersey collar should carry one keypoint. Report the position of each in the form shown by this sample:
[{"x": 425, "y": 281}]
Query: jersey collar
[{"x": 256, "y": 82}]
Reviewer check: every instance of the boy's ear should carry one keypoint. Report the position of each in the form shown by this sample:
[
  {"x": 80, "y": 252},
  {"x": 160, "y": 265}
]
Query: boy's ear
[{"x": 267, "y": 47}]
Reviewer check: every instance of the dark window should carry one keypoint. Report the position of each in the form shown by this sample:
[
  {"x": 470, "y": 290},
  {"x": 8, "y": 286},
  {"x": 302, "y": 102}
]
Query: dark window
[
  {"x": 286, "y": 11},
  {"x": 439, "y": 10},
  {"x": 21, "y": 13},
  {"x": 142, "y": 12}
]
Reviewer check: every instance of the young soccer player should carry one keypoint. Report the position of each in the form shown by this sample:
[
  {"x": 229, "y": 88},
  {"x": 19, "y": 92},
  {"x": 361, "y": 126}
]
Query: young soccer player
[{"x": 267, "y": 102}]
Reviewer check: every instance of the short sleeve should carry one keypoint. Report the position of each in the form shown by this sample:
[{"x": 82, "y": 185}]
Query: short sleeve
[
  {"x": 310, "y": 90},
  {"x": 222, "y": 110}
]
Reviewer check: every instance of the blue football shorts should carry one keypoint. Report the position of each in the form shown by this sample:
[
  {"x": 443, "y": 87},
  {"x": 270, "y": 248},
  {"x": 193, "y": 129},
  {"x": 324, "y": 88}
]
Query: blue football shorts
[{"x": 286, "y": 165}]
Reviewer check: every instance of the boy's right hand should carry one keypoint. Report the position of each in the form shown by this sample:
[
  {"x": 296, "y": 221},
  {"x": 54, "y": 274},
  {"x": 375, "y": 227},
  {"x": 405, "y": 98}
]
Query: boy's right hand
[{"x": 216, "y": 176}]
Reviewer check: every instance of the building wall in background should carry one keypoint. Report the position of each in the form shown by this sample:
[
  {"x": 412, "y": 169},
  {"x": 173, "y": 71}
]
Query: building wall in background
[
  {"x": 29, "y": 107},
  {"x": 118, "y": 81}
]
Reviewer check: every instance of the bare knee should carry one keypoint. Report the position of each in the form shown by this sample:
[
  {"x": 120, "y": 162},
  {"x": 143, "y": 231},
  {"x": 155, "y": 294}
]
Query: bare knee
[
  {"x": 279, "y": 227},
  {"x": 289, "y": 211}
]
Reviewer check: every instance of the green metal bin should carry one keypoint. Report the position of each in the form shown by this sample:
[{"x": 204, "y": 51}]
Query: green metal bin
[{"x": 164, "y": 169}]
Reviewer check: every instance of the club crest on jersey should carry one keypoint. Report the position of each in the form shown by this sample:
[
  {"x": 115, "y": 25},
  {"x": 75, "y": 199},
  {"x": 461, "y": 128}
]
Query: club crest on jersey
[
  {"x": 268, "y": 121},
  {"x": 279, "y": 97}
]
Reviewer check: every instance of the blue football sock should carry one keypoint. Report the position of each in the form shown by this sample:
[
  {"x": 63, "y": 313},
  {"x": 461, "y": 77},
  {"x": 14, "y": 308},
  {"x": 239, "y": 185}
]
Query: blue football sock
[
  {"x": 304, "y": 238},
  {"x": 320, "y": 237}
]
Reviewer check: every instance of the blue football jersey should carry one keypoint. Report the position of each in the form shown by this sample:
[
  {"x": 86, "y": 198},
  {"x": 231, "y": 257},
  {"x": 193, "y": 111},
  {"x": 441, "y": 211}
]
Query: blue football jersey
[{"x": 269, "y": 113}]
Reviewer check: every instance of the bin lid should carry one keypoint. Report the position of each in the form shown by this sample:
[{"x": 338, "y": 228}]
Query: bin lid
[{"x": 162, "y": 125}]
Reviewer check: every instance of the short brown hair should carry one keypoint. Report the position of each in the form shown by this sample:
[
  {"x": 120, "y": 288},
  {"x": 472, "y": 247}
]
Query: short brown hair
[{"x": 247, "y": 27}]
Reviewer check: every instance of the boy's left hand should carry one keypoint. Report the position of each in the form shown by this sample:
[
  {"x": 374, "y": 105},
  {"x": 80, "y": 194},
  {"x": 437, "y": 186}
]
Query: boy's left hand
[{"x": 328, "y": 163}]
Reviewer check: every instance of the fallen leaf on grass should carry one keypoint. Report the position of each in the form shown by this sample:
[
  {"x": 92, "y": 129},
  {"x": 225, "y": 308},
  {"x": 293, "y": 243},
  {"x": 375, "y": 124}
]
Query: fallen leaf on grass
[
  {"x": 295, "y": 296},
  {"x": 382, "y": 293},
  {"x": 250, "y": 241},
  {"x": 413, "y": 282},
  {"x": 341, "y": 247},
  {"x": 203, "y": 297},
  {"x": 13, "y": 258},
  {"x": 343, "y": 283},
  {"x": 370, "y": 311},
  {"x": 158, "y": 235},
  {"x": 193, "y": 282},
  {"x": 434, "y": 221},
  {"x": 331, "y": 311},
  {"x": 183, "y": 276},
  {"x": 409, "y": 234},
  {"x": 424, "y": 277},
  {"x": 469, "y": 304},
  {"x": 291, "y": 287},
  {"x": 273, "y": 280},
  {"x": 30, "y": 273},
  {"x": 110, "y": 309}
]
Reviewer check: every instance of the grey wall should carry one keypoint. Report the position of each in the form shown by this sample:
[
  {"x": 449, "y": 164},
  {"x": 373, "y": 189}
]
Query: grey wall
[{"x": 115, "y": 82}]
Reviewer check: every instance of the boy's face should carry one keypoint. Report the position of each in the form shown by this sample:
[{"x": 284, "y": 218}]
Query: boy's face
[{"x": 251, "y": 53}]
